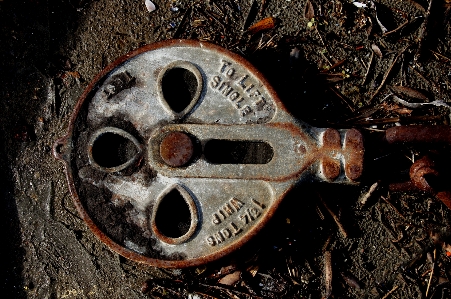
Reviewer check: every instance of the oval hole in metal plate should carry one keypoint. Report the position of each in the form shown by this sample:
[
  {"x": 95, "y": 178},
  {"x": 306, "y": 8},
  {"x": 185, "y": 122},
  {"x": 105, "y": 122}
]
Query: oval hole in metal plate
[
  {"x": 219, "y": 151},
  {"x": 111, "y": 150}
]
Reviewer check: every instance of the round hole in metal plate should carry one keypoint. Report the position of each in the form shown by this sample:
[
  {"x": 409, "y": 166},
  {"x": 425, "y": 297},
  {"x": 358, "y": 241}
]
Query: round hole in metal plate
[{"x": 179, "y": 86}]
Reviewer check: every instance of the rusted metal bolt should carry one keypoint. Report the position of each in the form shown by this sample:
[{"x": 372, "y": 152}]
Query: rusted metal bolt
[{"x": 176, "y": 149}]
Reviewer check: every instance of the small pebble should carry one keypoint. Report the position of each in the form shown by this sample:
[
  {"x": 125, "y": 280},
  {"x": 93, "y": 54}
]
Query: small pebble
[{"x": 149, "y": 5}]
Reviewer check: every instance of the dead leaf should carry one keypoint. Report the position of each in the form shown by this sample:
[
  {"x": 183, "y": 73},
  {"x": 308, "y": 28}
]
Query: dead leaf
[
  {"x": 376, "y": 50},
  {"x": 309, "y": 11},
  {"x": 231, "y": 279},
  {"x": 351, "y": 280},
  {"x": 265, "y": 24},
  {"x": 409, "y": 92}
]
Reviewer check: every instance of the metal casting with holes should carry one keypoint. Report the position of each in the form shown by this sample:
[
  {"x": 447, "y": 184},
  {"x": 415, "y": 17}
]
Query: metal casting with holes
[{"x": 179, "y": 152}]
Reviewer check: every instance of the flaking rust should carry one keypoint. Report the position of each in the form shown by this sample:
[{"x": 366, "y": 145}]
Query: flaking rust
[{"x": 140, "y": 165}]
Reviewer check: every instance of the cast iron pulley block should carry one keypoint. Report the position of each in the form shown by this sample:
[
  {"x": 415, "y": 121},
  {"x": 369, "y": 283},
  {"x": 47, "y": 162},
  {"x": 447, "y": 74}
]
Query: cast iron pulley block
[{"x": 179, "y": 152}]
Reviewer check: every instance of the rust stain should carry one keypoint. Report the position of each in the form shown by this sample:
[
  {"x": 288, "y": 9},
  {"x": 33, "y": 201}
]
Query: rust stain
[{"x": 176, "y": 149}]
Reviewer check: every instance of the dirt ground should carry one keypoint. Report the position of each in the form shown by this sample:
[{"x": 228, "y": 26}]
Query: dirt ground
[{"x": 333, "y": 63}]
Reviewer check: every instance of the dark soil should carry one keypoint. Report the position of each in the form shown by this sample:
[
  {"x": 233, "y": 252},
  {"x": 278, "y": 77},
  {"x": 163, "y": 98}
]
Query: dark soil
[{"x": 331, "y": 64}]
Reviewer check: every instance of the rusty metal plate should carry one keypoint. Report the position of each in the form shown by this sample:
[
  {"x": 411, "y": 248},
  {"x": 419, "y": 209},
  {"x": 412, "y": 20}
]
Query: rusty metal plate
[{"x": 179, "y": 152}]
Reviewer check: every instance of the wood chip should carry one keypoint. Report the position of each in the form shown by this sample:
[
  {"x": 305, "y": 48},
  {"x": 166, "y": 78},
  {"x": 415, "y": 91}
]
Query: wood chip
[
  {"x": 231, "y": 279},
  {"x": 309, "y": 11},
  {"x": 368, "y": 194},
  {"x": 351, "y": 281},
  {"x": 376, "y": 50},
  {"x": 265, "y": 24}
]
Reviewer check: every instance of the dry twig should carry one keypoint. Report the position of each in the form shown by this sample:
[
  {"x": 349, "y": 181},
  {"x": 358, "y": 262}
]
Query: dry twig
[
  {"x": 263, "y": 7},
  {"x": 341, "y": 228},
  {"x": 390, "y": 292},
  {"x": 423, "y": 32},
  {"x": 328, "y": 273},
  {"x": 440, "y": 55},
  {"x": 396, "y": 29},
  {"x": 368, "y": 68},
  {"x": 432, "y": 272},
  {"x": 342, "y": 97}
]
